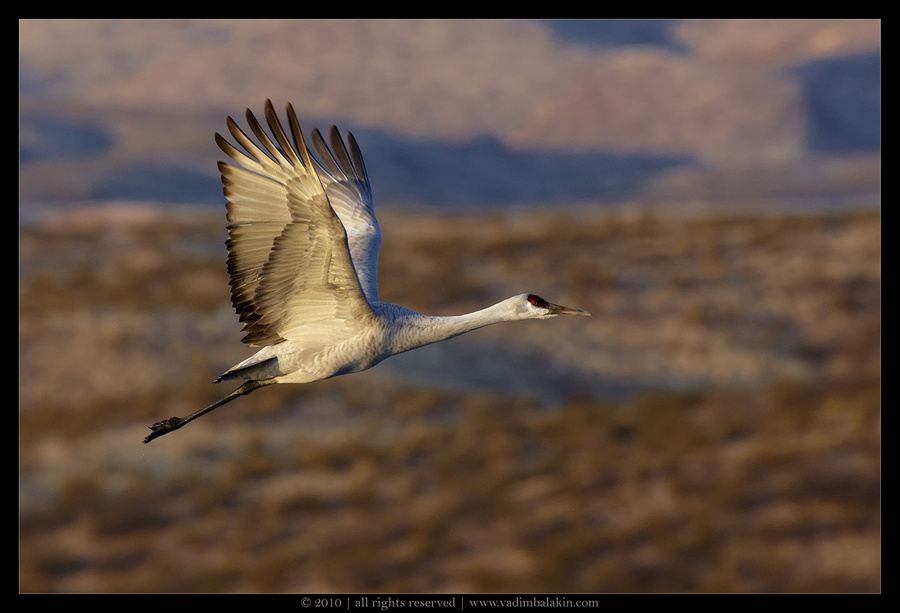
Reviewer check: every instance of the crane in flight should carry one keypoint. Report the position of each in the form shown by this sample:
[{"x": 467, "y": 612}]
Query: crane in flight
[{"x": 302, "y": 256}]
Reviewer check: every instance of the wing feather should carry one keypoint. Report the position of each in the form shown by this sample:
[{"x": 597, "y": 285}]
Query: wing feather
[
  {"x": 345, "y": 180},
  {"x": 292, "y": 274}
]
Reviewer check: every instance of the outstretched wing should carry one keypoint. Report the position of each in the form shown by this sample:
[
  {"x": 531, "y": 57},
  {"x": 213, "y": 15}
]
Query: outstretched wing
[
  {"x": 343, "y": 175},
  {"x": 292, "y": 276}
]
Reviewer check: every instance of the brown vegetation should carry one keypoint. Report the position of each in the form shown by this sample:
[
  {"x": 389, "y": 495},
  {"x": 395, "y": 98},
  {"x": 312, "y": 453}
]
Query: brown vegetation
[{"x": 750, "y": 460}]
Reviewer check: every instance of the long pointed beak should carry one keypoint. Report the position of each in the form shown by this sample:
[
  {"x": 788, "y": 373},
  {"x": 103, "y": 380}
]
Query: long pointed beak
[{"x": 556, "y": 309}]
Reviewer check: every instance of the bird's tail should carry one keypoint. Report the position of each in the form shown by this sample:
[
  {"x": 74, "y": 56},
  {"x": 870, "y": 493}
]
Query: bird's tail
[{"x": 257, "y": 371}]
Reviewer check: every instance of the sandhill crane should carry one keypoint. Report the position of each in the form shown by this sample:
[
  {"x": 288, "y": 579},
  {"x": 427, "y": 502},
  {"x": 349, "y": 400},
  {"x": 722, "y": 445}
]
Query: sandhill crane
[{"x": 302, "y": 256}]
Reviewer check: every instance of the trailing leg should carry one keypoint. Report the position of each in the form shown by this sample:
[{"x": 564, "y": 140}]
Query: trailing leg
[{"x": 173, "y": 423}]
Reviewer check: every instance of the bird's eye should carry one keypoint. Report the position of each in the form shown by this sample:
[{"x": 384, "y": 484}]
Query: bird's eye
[{"x": 536, "y": 301}]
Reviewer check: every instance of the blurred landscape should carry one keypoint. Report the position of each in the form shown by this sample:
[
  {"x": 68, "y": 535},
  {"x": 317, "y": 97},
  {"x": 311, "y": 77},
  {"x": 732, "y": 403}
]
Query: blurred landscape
[{"x": 709, "y": 190}]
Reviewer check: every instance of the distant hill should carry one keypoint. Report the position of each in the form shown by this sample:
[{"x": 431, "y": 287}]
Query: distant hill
[{"x": 449, "y": 112}]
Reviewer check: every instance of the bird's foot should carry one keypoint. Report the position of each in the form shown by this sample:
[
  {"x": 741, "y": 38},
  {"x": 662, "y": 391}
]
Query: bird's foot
[{"x": 164, "y": 427}]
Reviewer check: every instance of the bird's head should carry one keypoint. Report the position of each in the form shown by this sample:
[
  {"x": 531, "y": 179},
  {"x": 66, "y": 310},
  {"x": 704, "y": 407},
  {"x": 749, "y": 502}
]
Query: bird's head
[{"x": 532, "y": 306}]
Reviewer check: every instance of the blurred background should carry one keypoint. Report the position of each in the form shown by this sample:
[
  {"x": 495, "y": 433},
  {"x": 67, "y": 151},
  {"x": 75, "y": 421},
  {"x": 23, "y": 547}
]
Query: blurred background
[{"x": 709, "y": 190}]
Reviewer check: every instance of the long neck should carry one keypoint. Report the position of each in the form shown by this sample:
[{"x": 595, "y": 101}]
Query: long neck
[{"x": 410, "y": 329}]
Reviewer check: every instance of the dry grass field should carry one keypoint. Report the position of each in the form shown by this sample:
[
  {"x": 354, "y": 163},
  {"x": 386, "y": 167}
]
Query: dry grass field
[{"x": 744, "y": 457}]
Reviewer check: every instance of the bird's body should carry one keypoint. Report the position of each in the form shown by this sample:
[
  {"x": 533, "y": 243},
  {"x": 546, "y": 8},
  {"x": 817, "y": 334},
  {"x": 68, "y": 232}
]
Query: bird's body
[
  {"x": 302, "y": 255},
  {"x": 393, "y": 329}
]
